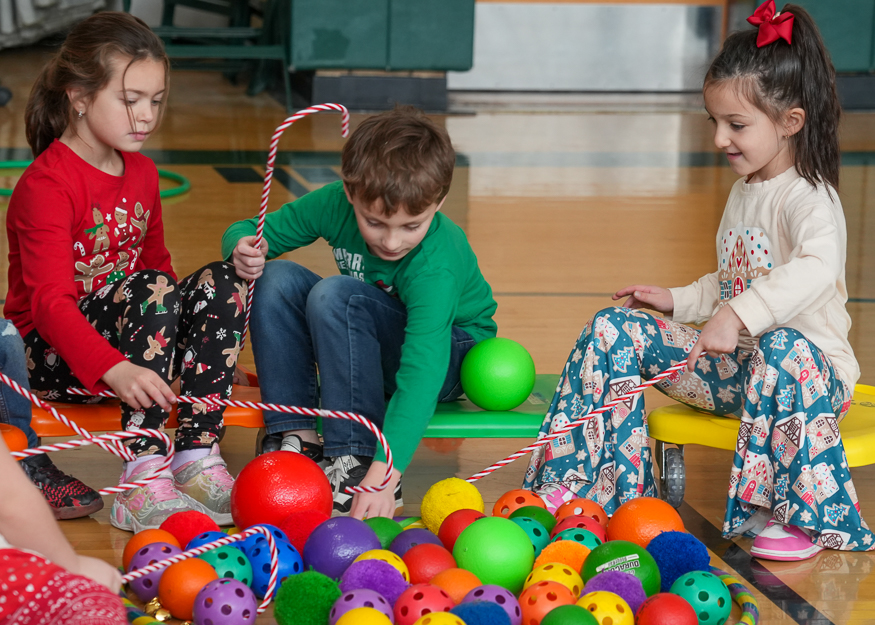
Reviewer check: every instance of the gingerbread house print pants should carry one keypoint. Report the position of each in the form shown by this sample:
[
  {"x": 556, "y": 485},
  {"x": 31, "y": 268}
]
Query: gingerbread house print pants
[{"x": 789, "y": 456}]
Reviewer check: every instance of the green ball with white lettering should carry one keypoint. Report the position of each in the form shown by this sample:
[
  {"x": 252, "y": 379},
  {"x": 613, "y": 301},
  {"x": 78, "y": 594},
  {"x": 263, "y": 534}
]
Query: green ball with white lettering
[{"x": 621, "y": 555}]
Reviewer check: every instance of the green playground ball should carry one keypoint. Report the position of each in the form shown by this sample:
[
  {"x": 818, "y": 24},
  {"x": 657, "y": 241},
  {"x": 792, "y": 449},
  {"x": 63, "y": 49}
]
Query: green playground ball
[
  {"x": 385, "y": 529},
  {"x": 229, "y": 562},
  {"x": 622, "y": 555},
  {"x": 708, "y": 595},
  {"x": 498, "y": 374},
  {"x": 541, "y": 515},
  {"x": 497, "y": 551},
  {"x": 570, "y": 615}
]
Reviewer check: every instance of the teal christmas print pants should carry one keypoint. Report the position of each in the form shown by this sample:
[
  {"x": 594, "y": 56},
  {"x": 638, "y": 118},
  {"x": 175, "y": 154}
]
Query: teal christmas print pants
[{"x": 789, "y": 456}]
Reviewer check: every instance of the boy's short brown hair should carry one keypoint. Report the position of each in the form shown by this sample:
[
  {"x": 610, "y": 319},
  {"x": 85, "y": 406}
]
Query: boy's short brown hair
[{"x": 400, "y": 157}]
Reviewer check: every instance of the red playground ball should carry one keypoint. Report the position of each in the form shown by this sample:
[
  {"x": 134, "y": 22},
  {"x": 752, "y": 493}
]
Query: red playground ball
[
  {"x": 275, "y": 485},
  {"x": 666, "y": 609},
  {"x": 455, "y": 523}
]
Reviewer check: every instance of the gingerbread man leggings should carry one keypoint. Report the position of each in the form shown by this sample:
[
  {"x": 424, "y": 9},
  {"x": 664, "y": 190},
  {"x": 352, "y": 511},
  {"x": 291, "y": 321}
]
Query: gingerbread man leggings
[{"x": 190, "y": 330}]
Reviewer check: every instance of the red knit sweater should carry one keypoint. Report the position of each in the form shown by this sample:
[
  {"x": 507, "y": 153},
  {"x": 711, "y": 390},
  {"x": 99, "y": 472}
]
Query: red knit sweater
[{"x": 72, "y": 228}]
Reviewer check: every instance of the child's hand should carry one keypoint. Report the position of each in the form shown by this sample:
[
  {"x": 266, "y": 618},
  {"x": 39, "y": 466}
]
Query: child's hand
[
  {"x": 100, "y": 571},
  {"x": 370, "y": 505},
  {"x": 719, "y": 336},
  {"x": 248, "y": 260},
  {"x": 139, "y": 387},
  {"x": 642, "y": 296}
]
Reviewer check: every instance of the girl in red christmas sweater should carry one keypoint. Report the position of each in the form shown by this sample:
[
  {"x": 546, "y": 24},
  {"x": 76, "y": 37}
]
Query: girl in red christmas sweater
[{"x": 91, "y": 288}]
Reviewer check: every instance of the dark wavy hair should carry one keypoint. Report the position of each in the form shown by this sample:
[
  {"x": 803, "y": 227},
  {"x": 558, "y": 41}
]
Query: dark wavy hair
[
  {"x": 781, "y": 76},
  {"x": 84, "y": 62}
]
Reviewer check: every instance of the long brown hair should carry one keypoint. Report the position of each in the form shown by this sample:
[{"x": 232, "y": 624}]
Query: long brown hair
[
  {"x": 781, "y": 76},
  {"x": 84, "y": 62}
]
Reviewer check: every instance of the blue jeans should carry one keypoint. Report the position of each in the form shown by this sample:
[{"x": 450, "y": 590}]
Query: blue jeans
[
  {"x": 14, "y": 409},
  {"x": 353, "y": 333}
]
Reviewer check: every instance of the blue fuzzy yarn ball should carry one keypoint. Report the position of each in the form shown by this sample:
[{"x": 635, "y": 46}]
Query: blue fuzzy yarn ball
[
  {"x": 677, "y": 553},
  {"x": 481, "y": 613},
  {"x": 626, "y": 585},
  {"x": 377, "y": 575}
]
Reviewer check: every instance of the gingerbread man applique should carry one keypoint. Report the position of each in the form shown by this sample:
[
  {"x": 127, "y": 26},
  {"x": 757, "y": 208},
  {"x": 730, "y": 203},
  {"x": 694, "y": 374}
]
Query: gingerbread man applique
[
  {"x": 233, "y": 352},
  {"x": 119, "y": 272},
  {"x": 156, "y": 345},
  {"x": 206, "y": 281},
  {"x": 90, "y": 271},
  {"x": 141, "y": 222},
  {"x": 159, "y": 290},
  {"x": 238, "y": 298},
  {"x": 100, "y": 232},
  {"x": 122, "y": 230}
]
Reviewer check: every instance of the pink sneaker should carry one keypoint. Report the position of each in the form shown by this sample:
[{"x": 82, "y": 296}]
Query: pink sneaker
[
  {"x": 554, "y": 495},
  {"x": 147, "y": 507},
  {"x": 786, "y": 543}
]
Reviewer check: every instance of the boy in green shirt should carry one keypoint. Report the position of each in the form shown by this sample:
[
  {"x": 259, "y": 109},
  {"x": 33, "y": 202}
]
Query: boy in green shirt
[{"x": 409, "y": 304}]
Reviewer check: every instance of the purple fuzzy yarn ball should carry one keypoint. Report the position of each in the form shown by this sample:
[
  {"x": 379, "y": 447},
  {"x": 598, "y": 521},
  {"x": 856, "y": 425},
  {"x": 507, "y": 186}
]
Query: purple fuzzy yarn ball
[
  {"x": 676, "y": 554},
  {"x": 624, "y": 584},
  {"x": 377, "y": 575}
]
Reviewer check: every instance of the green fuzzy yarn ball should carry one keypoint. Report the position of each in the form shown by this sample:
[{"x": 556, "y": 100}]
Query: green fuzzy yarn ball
[{"x": 305, "y": 599}]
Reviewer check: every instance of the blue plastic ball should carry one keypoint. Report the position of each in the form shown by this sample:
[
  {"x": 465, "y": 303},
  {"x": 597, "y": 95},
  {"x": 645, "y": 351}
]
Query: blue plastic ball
[
  {"x": 290, "y": 563},
  {"x": 205, "y": 538},
  {"x": 251, "y": 541}
]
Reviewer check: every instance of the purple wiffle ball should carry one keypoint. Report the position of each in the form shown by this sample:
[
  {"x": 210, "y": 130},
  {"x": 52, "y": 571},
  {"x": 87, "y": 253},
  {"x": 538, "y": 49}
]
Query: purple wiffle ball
[
  {"x": 375, "y": 575},
  {"x": 225, "y": 601},
  {"x": 359, "y": 598},
  {"x": 410, "y": 538},
  {"x": 146, "y": 587},
  {"x": 498, "y": 595},
  {"x": 626, "y": 585}
]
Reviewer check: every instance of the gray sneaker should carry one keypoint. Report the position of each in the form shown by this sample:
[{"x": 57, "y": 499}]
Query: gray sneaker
[{"x": 347, "y": 471}]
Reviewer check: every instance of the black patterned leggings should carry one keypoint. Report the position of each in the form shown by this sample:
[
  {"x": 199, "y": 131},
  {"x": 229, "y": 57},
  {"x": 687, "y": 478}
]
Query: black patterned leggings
[{"x": 189, "y": 330}]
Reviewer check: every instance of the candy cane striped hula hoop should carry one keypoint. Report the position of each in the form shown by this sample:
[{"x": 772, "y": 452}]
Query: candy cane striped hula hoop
[
  {"x": 312, "y": 412},
  {"x": 671, "y": 372},
  {"x": 268, "y": 178}
]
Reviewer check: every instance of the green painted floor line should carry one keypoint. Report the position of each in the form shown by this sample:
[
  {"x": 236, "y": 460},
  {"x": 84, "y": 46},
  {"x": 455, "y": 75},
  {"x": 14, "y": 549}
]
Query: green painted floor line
[{"x": 323, "y": 159}]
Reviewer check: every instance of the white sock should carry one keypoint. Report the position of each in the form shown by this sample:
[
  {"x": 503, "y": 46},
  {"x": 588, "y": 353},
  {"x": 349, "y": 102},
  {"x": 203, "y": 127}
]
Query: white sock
[
  {"x": 189, "y": 455},
  {"x": 131, "y": 467}
]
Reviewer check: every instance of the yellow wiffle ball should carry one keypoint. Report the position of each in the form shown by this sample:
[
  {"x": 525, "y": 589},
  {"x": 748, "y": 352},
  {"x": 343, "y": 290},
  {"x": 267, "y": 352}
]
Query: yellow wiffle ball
[
  {"x": 556, "y": 572},
  {"x": 447, "y": 496},
  {"x": 364, "y": 616}
]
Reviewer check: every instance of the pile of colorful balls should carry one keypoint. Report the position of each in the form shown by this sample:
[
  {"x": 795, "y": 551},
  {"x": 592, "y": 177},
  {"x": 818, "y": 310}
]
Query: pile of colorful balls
[{"x": 527, "y": 564}]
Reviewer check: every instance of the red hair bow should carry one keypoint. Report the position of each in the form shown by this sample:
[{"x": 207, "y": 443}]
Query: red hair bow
[{"x": 772, "y": 26}]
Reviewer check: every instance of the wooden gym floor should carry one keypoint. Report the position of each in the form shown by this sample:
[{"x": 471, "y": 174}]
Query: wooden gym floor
[{"x": 562, "y": 208}]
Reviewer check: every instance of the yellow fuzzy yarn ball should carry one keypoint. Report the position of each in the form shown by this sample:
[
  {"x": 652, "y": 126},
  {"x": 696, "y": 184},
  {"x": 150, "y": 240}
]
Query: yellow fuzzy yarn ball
[{"x": 446, "y": 497}]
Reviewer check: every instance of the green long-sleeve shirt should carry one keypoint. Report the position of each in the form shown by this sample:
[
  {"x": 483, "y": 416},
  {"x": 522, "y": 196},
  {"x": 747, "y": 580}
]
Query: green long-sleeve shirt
[{"x": 439, "y": 282}]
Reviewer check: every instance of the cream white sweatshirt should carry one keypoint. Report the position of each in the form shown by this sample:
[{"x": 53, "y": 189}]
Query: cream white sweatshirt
[{"x": 781, "y": 250}]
